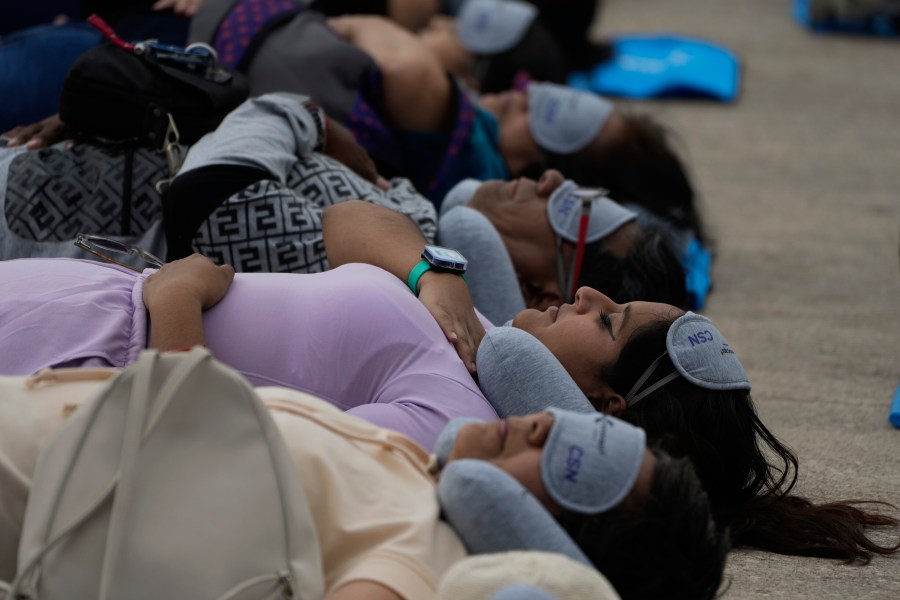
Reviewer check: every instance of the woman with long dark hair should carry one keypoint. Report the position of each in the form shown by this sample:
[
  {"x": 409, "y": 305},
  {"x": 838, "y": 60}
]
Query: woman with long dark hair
[{"x": 748, "y": 472}]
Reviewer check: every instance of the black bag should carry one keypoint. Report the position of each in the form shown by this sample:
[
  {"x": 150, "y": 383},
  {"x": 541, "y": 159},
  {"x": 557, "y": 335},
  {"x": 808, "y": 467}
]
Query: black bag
[{"x": 113, "y": 93}]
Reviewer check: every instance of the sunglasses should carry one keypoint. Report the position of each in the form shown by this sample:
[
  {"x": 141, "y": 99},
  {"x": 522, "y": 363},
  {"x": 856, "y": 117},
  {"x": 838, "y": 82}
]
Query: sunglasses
[{"x": 114, "y": 251}]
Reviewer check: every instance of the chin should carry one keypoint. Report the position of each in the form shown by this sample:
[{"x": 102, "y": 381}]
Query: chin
[{"x": 520, "y": 321}]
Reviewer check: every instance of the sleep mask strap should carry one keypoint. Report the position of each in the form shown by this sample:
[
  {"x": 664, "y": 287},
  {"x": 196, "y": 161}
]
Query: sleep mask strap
[{"x": 633, "y": 397}]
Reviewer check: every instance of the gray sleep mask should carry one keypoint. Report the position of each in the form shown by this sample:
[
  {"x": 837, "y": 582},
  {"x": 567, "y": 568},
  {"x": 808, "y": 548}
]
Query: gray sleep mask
[
  {"x": 493, "y": 26},
  {"x": 564, "y": 120},
  {"x": 700, "y": 354},
  {"x": 591, "y": 461},
  {"x": 564, "y": 213}
]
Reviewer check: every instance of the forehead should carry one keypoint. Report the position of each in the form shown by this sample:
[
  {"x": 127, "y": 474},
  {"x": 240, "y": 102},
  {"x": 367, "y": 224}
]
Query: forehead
[
  {"x": 641, "y": 313},
  {"x": 522, "y": 192}
]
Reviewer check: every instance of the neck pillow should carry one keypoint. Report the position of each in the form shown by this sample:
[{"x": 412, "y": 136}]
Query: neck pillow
[{"x": 488, "y": 508}]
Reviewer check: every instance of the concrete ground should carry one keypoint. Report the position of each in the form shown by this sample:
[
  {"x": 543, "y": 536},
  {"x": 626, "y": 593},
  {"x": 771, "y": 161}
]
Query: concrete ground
[{"x": 800, "y": 183}]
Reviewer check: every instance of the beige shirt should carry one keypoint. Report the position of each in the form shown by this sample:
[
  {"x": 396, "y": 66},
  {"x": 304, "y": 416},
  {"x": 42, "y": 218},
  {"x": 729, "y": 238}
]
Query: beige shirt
[
  {"x": 378, "y": 520},
  {"x": 369, "y": 490}
]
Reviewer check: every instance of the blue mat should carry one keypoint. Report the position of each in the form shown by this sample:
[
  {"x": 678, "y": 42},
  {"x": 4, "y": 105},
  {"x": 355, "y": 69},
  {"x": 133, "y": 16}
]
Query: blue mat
[
  {"x": 664, "y": 66},
  {"x": 876, "y": 24}
]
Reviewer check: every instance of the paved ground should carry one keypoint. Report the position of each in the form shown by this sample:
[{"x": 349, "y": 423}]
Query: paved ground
[{"x": 800, "y": 181}]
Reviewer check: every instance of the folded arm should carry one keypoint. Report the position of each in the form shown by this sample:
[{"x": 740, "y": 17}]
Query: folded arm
[
  {"x": 42, "y": 134},
  {"x": 417, "y": 92},
  {"x": 359, "y": 232},
  {"x": 271, "y": 132},
  {"x": 176, "y": 297},
  {"x": 266, "y": 133},
  {"x": 413, "y": 14}
]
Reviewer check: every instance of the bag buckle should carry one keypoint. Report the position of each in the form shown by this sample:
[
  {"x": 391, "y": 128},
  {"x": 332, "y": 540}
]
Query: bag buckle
[{"x": 175, "y": 153}]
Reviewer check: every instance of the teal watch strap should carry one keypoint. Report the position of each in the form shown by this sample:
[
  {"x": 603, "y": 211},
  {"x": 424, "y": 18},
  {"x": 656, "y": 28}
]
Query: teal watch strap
[
  {"x": 416, "y": 274},
  {"x": 412, "y": 282}
]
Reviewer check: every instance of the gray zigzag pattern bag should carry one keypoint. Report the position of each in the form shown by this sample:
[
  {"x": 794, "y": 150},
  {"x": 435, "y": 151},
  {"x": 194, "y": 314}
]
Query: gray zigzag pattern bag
[
  {"x": 173, "y": 482},
  {"x": 48, "y": 196},
  {"x": 271, "y": 227}
]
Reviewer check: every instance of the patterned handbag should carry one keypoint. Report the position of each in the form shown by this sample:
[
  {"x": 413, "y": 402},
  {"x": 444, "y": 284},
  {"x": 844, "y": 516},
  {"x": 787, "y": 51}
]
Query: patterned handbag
[
  {"x": 271, "y": 227},
  {"x": 52, "y": 194}
]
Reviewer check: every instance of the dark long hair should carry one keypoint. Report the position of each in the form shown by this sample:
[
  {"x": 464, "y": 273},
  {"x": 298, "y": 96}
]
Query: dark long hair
[
  {"x": 536, "y": 56},
  {"x": 747, "y": 472},
  {"x": 673, "y": 530},
  {"x": 651, "y": 271},
  {"x": 641, "y": 167}
]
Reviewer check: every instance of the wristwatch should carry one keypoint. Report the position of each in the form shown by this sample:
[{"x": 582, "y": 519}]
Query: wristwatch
[{"x": 437, "y": 258}]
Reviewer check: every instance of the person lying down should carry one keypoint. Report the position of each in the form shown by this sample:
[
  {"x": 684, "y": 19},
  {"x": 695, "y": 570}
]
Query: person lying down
[{"x": 372, "y": 491}]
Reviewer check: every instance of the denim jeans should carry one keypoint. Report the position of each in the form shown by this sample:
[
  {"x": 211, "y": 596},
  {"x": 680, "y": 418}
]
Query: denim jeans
[
  {"x": 33, "y": 65},
  {"x": 19, "y": 14}
]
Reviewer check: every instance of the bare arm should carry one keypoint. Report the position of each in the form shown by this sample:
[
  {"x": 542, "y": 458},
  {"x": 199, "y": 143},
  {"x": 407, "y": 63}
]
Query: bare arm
[
  {"x": 176, "y": 297},
  {"x": 357, "y": 231},
  {"x": 417, "y": 93},
  {"x": 413, "y": 14},
  {"x": 185, "y": 8},
  {"x": 38, "y": 135}
]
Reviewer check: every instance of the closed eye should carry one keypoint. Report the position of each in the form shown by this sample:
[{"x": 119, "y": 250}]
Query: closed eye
[{"x": 606, "y": 322}]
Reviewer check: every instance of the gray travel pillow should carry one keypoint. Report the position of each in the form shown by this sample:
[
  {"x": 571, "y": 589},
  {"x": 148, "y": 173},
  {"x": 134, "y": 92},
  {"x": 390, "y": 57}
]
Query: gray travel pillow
[
  {"x": 490, "y": 275},
  {"x": 491, "y": 512},
  {"x": 488, "y": 508},
  {"x": 519, "y": 375}
]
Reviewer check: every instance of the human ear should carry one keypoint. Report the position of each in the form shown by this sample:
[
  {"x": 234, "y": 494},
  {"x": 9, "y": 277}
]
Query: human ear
[{"x": 609, "y": 402}]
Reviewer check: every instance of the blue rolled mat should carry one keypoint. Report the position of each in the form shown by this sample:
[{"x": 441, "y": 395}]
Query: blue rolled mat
[
  {"x": 664, "y": 66},
  {"x": 882, "y": 24},
  {"x": 894, "y": 415}
]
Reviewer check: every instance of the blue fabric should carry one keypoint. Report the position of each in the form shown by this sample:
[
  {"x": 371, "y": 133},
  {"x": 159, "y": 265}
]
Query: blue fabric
[
  {"x": 481, "y": 157},
  {"x": 894, "y": 415},
  {"x": 478, "y": 157},
  {"x": 882, "y": 24},
  {"x": 664, "y": 66},
  {"x": 697, "y": 262},
  {"x": 33, "y": 65},
  {"x": 19, "y": 15}
]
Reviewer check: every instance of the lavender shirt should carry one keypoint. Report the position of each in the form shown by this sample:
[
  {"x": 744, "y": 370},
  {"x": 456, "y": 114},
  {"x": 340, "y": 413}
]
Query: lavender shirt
[{"x": 354, "y": 336}]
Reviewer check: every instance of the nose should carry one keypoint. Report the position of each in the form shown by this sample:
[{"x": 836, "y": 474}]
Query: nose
[
  {"x": 549, "y": 181},
  {"x": 587, "y": 298},
  {"x": 533, "y": 428}
]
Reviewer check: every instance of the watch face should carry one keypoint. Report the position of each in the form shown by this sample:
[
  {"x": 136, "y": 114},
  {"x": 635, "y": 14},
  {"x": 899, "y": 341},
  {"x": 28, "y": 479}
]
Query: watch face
[{"x": 445, "y": 258}]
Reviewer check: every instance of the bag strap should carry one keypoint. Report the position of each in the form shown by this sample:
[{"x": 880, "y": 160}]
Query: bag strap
[
  {"x": 131, "y": 444},
  {"x": 137, "y": 429},
  {"x": 243, "y": 28},
  {"x": 25, "y": 583}
]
